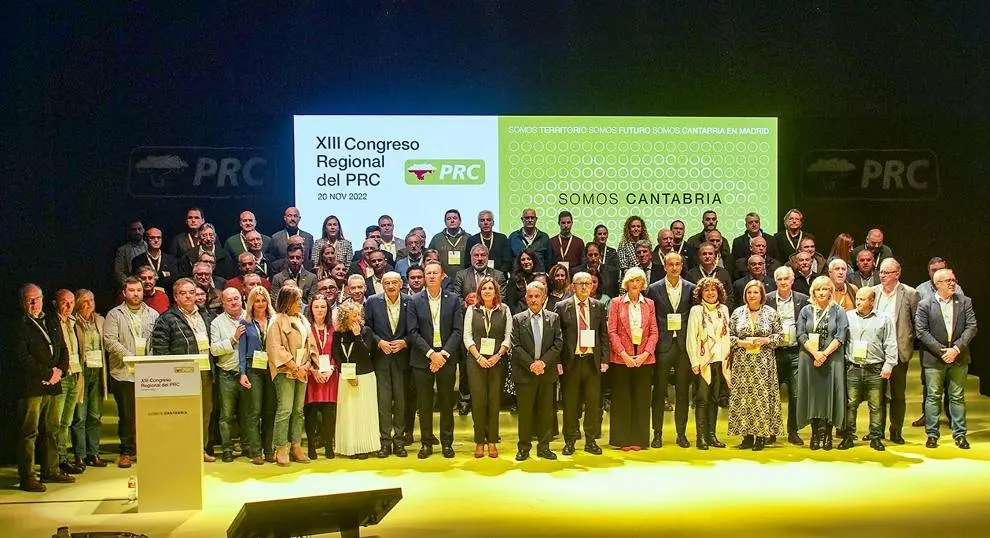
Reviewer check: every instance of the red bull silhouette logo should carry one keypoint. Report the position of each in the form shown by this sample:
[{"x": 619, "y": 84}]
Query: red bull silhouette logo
[{"x": 421, "y": 169}]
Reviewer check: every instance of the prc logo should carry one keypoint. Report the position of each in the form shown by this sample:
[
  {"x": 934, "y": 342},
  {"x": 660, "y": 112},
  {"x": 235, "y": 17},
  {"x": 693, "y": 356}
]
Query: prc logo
[{"x": 445, "y": 172}]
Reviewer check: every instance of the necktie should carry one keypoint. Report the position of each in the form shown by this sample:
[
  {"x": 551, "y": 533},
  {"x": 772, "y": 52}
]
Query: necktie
[
  {"x": 537, "y": 336},
  {"x": 582, "y": 323}
]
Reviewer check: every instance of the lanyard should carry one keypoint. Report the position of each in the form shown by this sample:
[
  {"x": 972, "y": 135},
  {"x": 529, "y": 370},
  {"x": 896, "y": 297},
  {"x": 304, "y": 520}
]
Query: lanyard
[
  {"x": 528, "y": 240},
  {"x": 261, "y": 334},
  {"x": 347, "y": 351},
  {"x": 794, "y": 245},
  {"x": 435, "y": 314},
  {"x": 43, "y": 331},
  {"x": 563, "y": 251},
  {"x": 243, "y": 244},
  {"x": 819, "y": 318},
  {"x": 151, "y": 262},
  {"x": 192, "y": 242},
  {"x": 708, "y": 275},
  {"x": 489, "y": 244},
  {"x": 453, "y": 244},
  {"x": 488, "y": 321},
  {"x": 322, "y": 340}
]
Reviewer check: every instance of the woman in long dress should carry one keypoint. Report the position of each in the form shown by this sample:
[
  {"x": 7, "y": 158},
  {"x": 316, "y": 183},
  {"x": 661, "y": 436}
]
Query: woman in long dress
[
  {"x": 821, "y": 331},
  {"x": 708, "y": 347},
  {"x": 754, "y": 401},
  {"x": 357, "y": 391}
]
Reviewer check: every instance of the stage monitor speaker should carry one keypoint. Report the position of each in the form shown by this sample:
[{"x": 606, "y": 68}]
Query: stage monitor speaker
[{"x": 320, "y": 514}]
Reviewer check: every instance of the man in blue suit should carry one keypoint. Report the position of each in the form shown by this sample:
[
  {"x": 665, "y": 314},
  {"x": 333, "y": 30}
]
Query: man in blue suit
[
  {"x": 436, "y": 320},
  {"x": 386, "y": 314},
  {"x": 672, "y": 300},
  {"x": 945, "y": 324}
]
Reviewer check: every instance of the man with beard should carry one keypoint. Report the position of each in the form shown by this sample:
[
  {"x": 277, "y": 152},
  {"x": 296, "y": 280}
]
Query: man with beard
[
  {"x": 499, "y": 254},
  {"x": 707, "y": 255},
  {"x": 154, "y": 297},
  {"x": 280, "y": 239},
  {"x": 131, "y": 249},
  {"x": 207, "y": 245},
  {"x": 451, "y": 243},
  {"x": 566, "y": 248},
  {"x": 414, "y": 255},
  {"x": 294, "y": 270}
]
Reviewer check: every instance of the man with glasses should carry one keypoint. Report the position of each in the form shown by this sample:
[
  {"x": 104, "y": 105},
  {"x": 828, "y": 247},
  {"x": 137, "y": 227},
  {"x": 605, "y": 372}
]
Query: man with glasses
[
  {"x": 247, "y": 266},
  {"x": 532, "y": 238},
  {"x": 414, "y": 255},
  {"x": 164, "y": 264}
]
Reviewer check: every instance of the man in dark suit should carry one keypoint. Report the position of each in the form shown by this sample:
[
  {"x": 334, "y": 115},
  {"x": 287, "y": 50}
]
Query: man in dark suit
[
  {"x": 788, "y": 304},
  {"x": 40, "y": 359},
  {"x": 436, "y": 320},
  {"x": 536, "y": 344},
  {"x": 803, "y": 274},
  {"x": 223, "y": 263},
  {"x": 789, "y": 239},
  {"x": 946, "y": 324},
  {"x": 466, "y": 280},
  {"x": 386, "y": 314},
  {"x": 672, "y": 302},
  {"x": 707, "y": 255},
  {"x": 757, "y": 247},
  {"x": 645, "y": 261},
  {"x": 900, "y": 303},
  {"x": 608, "y": 276},
  {"x": 294, "y": 270},
  {"x": 499, "y": 255},
  {"x": 164, "y": 264},
  {"x": 361, "y": 265},
  {"x": 379, "y": 266},
  {"x": 741, "y": 245},
  {"x": 584, "y": 329},
  {"x": 757, "y": 271}
]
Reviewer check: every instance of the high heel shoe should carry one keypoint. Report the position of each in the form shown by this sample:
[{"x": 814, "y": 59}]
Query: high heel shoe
[
  {"x": 282, "y": 456},
  {"x": 297, "y": 454},
  {"x": 758, "y": 444},
  {"x": 827, "y": 443},
  {"x": 747, "y": 442},
  {"x": 492, "y": 450},
  {"x": 479, "y": 450}
]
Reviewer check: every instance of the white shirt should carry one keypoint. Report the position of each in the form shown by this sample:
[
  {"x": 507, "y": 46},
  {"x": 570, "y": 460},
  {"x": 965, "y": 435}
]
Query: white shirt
[
  {"x": 887, "y": 304},
  {"x": 947, "y": 306},
  {"x": 469, "y": 328},
  {"x": 222, "y": 330}
]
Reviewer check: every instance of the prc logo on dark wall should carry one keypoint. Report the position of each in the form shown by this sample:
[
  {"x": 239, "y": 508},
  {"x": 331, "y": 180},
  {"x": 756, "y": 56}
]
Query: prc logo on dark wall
[
  {"x": 200, "y": 172},
  {"x": 870, "y": 174}
]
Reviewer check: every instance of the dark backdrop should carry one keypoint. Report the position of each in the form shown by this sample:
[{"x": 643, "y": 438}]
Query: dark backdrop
[{"x": 82, "y": 85}]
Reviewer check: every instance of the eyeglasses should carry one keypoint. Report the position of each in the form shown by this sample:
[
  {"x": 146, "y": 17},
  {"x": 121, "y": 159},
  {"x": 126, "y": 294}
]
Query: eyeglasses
[{"x": 200, "y": 273}]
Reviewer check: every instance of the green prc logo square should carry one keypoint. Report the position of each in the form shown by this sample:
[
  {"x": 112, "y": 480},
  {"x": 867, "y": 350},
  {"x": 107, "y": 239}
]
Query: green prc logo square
[{"x": 445, "y": 172}]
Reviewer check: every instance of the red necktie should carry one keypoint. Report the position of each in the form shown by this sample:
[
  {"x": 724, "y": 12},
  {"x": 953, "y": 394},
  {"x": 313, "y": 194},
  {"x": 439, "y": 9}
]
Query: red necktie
[{"x": 582, "y": 324}]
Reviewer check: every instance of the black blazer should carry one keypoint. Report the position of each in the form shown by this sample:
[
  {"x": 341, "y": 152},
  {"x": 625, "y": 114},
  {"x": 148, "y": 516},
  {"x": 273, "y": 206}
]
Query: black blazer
[
  {"x": 225, "y": 264},
  {"x": 524, "y": 345},
  {"x": 376, "y": 318},
  {"x": 800, "y": 301},
  {"x": 597, "y": 321},
  {"x": 466, "y": 281},
  {"x": 769, "y": 284},
  {"x": 499, "y": 251},
  {"x": 360, "y": 349},
  {"x": 740, "y": 245},
  {"x": 168, "y": 270},
  {"x": 420, "y": 328},
  {"x": 661, "y": 305},
  {"x": 34, "y": 358}
]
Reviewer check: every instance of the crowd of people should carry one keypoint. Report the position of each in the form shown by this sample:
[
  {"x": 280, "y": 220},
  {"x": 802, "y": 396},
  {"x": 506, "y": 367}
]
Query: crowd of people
[{"x": 307, "y": 333}]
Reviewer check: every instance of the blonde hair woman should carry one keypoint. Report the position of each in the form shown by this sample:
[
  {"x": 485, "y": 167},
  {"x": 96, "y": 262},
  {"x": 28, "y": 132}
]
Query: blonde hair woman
[
  {"x": 356, "y": 432},
  {"x": 289, "y": 360},
  {"x": 258, "y": 405}
]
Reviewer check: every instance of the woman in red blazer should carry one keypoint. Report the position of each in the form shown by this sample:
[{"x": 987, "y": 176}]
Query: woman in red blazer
[{"x": 632, "y": 331}]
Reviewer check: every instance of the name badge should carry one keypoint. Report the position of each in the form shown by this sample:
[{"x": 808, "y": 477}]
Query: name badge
[
  {"x": 859, "y": 349},
  {"x": 673, "y": 322},
  {"x": 259, "y": 360},
  {"x": 453, "y": 257},
  {"x": 325, "y": 366},
  {"x": 348, "y": 371},
  {"x": 790, "y": 334},
  {"x": 301, "y": 355},
  {"x": 140, "y": 345},
  {"x": 94, "y": 358},
  {"x": 813, "y": 341},
  {"x": 586, "y": 338},
  {"x": 637, "y": 335},
  {"x": 487, "y": 346},
  {"x": 203, "y": 344},
  {"x": 566, "y": 265},
  {"x": 491, "y": 264}
]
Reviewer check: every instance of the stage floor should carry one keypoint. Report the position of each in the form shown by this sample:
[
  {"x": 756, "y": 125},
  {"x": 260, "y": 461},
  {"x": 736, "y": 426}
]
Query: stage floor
[{"x": 783, "y": 491}]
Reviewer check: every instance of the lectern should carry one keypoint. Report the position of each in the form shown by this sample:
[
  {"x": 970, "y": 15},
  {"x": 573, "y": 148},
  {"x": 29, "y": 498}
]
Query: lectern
[{"x": 168, "y": 416}]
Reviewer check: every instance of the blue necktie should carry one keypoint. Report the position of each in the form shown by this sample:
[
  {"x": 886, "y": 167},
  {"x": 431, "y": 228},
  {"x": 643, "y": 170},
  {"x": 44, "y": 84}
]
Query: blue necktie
[{"x": 537, "y": 335}]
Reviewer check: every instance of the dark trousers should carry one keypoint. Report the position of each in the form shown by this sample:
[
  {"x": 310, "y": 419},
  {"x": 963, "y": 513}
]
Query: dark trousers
[
  {"x": 410, "y": 407},
  {"x": 787, "y": 371},
  {"x": 391, "y": 380},
  {"x": 629, "y": 417},
  {"x": 897, "y": 400},
  {"x": 683, "y": 376},
  {"x": 535, "y": 402},
  {"x": 706, "y": 401},
  {"x": 229, "y": 389},
  {"x": 863, "y": 383},
  {"x": 322, "y": 417},
  {"x": 39, "y": 415},
  {"x": 463, "y": 382},
  {"x": 486, "y": 398},
  {"x": 582, "y": 384},
  {"x": 123, "y": 394},
  {"x": 258, "y": 411},
  {"x": 444, "y": 380},
  {"x": 207, "y": 398}
]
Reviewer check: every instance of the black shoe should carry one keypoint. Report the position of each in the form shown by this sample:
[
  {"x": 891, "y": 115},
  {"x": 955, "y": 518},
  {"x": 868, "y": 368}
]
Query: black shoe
[
  {"x": 772, "y": 440},
  {"x": 867, "y": 437},
  {"x": 522, "y": 455},
  {"x": 827, "y": 441},
  {"x": 701, "y": 443},
  {"x": 591, "y": 447},
  {"x": 932, "y": 442},
  {"x": 747, "y": 442},
  {"x": 795, "y": 439},
  {"x": 60, "y": 478},
  {"x": 896, "y": 438},
  {"x": 425, "y": 452},
  {"x": 71, "y": 468},
  {"x": 682, "y": 441},
  {"x": 568, "y": 448},
  {"x": 546, "y": 453},
  {"x": 847, "y": 443},
  {"x": 758, "y": 444},
  {"x": 399, "y": 450},
  {"x": 877, "y": 444},
  {"x": 94, "y": 461},
  {"x": 310, "y": 451},
  {"x": 407, "y": 439},
  {"x": 328, "y": 451},
  {"x": 384, "y": 451},
  {"x": 713, "y": 441},
  {"x": 447, "y": 451},
  {"x": 227, "y": 456},
  {"x": 463, "y": 408},
  {"x": 961, "y": 442},
  {"x": 433, "y": 440},
  {"x": 362, "y": 456},
  {"x": 33, "y": 485},
  {"x": 657, "y": 441}
]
